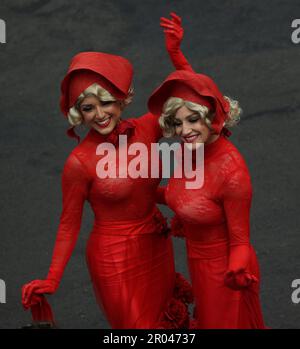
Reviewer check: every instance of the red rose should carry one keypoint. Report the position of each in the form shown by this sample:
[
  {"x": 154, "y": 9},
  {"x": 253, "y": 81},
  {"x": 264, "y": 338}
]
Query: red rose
[{"x": 183, "y": 290}]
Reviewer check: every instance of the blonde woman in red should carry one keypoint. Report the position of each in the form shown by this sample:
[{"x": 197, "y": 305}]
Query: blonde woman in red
[
  {"x": 129, "y": 253},
  {"x": 214, "y": 218}
]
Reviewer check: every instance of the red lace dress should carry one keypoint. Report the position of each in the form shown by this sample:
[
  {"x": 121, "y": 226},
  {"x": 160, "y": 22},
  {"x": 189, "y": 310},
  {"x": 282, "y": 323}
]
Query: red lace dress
[
  {"x": 129, "y": 255},
  {"x": 215, "y": 223}
]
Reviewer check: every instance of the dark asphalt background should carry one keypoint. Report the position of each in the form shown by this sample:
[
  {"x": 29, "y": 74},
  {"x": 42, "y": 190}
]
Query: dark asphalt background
[{"x": 244, "y": 45}]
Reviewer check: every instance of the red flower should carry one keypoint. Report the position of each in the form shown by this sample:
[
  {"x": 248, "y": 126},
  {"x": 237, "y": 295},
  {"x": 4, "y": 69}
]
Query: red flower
[
  {"x": 183, "y": 290},
  {"x": 176, "y": 315}
]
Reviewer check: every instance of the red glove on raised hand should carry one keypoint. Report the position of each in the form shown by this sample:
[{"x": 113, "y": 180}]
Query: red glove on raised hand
[{"x": 173, "y": 37}]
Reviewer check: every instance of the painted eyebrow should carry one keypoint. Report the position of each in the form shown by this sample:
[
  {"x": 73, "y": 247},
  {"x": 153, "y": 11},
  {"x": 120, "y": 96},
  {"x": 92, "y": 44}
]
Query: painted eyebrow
[
  {"x": 88, "y": 104},
  {"x": 85, "y": 105}
]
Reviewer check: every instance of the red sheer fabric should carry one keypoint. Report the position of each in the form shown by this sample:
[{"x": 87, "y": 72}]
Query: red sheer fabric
[
  {"x": 41, "y": 311},
  {"x": 215, "y": 222},
  {"x": 129, "y": 255},
  {"x": 132, "y": 275}
]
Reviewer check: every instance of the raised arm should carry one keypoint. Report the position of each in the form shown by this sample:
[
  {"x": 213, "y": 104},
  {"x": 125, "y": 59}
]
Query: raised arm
[
  {"x": 75, "y": 191},
  {"x": 173, "y": 36}
]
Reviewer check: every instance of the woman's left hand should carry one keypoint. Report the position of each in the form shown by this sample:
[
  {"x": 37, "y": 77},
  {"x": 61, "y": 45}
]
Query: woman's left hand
[
  {"x": 173, "y": 31},
  {"x": 32, "y": 290},
  {"x": 239, "y": 280}
]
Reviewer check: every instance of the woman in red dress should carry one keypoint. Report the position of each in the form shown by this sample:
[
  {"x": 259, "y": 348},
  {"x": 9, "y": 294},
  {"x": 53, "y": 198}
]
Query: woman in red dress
[
  {"x": 214, "y": 219},
  {"x": 129, "y": 254}
]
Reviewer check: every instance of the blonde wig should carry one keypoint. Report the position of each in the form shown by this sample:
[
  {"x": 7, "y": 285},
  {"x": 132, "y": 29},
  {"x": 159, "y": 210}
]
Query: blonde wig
[
  {"x": 171, "y": 106},
  {"x": 74, "y": 116}
]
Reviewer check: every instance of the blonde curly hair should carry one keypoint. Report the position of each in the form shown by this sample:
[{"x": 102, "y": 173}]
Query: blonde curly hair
[
  {"x": 166, "y": 120},
  {"x": 74, "y": 115}
]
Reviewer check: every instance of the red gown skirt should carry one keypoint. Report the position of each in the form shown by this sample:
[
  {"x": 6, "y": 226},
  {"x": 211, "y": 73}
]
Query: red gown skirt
[
  {"x": 132, "y": 272},
  {"x": 217, "y": 306}
]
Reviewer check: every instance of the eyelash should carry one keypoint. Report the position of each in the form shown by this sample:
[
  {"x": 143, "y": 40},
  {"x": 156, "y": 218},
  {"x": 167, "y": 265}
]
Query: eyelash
[
  {"x": 87, "y": 109},
  {"x": 191, "y": 120},
  {"x": 90, "y": 108}
]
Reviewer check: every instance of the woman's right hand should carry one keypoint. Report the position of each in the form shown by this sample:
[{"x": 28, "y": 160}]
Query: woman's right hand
[
  {"x": 173, "y": 36},
  {"x": 37, "y": 287},
  {"x": 173, "y": 31}
]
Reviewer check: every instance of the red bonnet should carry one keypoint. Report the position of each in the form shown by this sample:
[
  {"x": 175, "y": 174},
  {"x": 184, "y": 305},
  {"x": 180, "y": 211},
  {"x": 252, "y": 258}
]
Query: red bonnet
[
  {"x": 113, "y": 73},
  {"x": 197, "y": 88}
]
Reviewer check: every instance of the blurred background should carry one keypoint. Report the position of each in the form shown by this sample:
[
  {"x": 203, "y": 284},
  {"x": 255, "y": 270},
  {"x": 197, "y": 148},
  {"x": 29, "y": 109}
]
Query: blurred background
[{"x": 244, "y": 45}]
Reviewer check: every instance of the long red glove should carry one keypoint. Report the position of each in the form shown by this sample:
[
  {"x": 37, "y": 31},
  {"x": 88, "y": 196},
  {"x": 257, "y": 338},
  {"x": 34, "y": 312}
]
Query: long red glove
[
  {"x": 237, "y": 196},
  {"x": 75, "y": 190},
  {"x": 173, "y": 36}
]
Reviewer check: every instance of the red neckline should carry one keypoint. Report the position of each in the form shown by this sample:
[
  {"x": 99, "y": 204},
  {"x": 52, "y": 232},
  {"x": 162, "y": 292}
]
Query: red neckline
[{"x": 214, "y": 147}]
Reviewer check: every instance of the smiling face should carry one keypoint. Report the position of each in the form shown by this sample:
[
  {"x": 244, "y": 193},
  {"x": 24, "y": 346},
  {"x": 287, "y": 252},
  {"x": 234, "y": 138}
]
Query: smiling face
[
  {"x": 191, "y": 128},
  {"x": 102, "y": 116}
]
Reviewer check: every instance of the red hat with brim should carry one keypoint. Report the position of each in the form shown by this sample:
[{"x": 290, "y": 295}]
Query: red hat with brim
[
  {"x": 113, "y": 73},
  {"x": 196, "y": 88}
]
